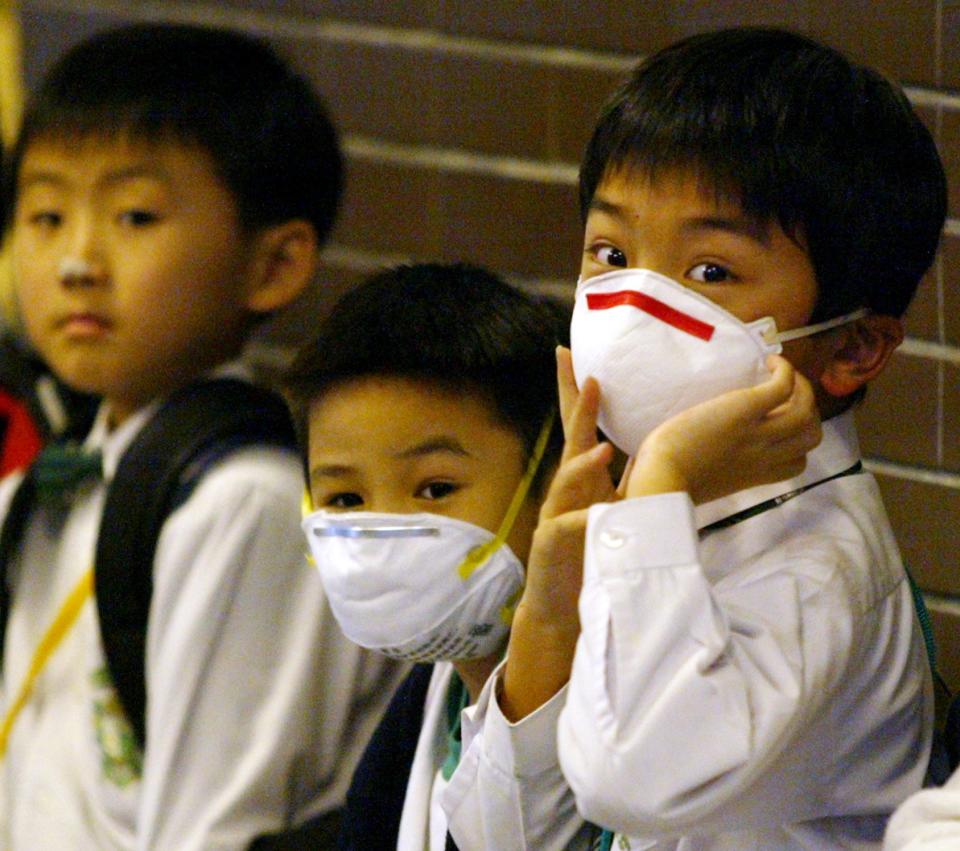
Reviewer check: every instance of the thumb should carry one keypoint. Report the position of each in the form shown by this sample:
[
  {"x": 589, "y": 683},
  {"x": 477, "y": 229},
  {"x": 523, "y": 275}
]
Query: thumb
[
  {"x": 566, "y": 387},
  {"x": 777, "y": 389}
]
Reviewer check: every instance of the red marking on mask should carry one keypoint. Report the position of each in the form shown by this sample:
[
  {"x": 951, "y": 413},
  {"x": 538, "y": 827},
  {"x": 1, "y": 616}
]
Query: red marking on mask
[{"x": 631, "y": 298}]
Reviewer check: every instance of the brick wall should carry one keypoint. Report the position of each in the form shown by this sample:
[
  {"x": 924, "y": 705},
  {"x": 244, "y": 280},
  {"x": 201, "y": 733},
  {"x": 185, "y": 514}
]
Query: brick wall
[{"x": 463, "y": 124}]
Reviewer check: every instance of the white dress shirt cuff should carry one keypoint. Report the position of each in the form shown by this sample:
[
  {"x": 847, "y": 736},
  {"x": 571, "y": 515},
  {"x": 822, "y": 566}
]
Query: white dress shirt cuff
[
  {"x": 629, "y": 536},
  {"x": 523, "y": 749}
]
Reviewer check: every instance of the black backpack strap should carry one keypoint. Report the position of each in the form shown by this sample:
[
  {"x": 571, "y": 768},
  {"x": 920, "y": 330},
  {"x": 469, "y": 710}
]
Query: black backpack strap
[
  {"x": 18, "y": 515},
  {"x": 197, "y": 425},
  {"x": 318, "y": 834},
  {"x": 371, "y": 818}
]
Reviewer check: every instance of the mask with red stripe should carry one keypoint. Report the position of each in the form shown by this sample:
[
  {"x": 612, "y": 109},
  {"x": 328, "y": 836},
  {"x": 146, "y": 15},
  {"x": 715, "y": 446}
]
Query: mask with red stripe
[{"x": 657, "y": 348}]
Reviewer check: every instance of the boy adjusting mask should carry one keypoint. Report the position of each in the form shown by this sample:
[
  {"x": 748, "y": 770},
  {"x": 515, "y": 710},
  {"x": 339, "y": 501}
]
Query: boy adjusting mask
[
  {"x": 422, "y": 587},
  {"x": 657, "y": 348}
]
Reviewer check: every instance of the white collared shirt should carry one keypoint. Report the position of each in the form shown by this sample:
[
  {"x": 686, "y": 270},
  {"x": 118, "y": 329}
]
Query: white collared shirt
[
  {"x": 763, "y": 686},
  {"x": 258, "y": 707}
]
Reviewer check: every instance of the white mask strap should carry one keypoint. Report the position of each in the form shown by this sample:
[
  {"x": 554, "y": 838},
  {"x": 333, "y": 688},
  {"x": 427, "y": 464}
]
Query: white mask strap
[{"x": 809, "y": 330}]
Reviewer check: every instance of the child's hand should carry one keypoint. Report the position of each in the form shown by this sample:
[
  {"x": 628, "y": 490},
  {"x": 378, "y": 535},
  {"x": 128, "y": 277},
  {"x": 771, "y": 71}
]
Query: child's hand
[
  {"x": 582, "y": 479},
  {"x": 546, "y": 625},
  {"x": 740, "y": 439}
]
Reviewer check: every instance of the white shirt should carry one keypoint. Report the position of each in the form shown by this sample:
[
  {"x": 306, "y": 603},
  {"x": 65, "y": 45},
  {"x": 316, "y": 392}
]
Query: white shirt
[
  {"x": 258, "y": 707},
  {"x": 928, "y": 820},
  {"x": 763, "y": 686}
]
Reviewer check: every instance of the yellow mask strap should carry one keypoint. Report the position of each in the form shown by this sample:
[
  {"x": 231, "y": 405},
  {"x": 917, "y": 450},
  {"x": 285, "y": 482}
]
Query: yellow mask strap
[
  {"x": 306, "y": 509},
  {"x": 478, "y": 555}
]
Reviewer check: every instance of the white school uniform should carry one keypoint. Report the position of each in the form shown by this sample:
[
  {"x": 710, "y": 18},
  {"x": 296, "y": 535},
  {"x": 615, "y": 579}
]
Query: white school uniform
[
  {"x": 762, "y": 686},
  {"x": 258, "y": 707}
]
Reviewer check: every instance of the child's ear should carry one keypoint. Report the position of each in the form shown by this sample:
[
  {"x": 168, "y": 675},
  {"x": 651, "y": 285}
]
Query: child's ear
[
  {"x": 284, "y": 260},
  {"x": 860, "y": 351}
]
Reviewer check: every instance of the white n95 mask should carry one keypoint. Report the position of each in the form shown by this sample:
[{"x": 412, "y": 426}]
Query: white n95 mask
[
  {"x": 422, "y": 587},
  {"x": 399, "y": 584},
  {"x": 657, "y": 347}
]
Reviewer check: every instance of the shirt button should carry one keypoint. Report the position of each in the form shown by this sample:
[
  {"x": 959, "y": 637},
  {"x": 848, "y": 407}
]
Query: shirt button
[{"x": 612, "y": 539}]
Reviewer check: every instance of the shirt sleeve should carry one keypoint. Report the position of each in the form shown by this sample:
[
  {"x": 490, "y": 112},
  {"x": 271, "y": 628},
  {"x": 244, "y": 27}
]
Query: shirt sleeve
[
  {"x": 508, "y": 791},
  {"x": 927, "y": 821},
  {"x": 685, "y": 697},
  {"x": 257, "y": 705}
]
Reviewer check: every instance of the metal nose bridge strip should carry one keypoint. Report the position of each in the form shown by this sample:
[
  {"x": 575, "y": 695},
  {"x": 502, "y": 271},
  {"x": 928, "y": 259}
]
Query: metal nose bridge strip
[{"x": 376, "y": 531}]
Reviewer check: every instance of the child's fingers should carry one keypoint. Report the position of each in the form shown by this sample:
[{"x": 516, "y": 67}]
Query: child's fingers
[
  {"x": 798, "y": 416},
  {"x": 776, "y": 390},
  {"x": 555, "y": 533},
  {"x": 793, "y": 433},
  {"x": 581, "y": 428},
  {"x": 578, "y": 407},
  {"x": 580, "y": 482},
  {"x": 625, "y": 477},
  {"x": 566, "y": 386}
]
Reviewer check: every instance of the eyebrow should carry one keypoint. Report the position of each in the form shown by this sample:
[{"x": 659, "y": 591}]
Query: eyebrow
[
  {"x": 333, "y": 471},
  {"x": 112, "y": 178},
  {"x": 601, "y": 205},
  {"x": 431, "y": 445},
  {"x": 736, "y": 225}
]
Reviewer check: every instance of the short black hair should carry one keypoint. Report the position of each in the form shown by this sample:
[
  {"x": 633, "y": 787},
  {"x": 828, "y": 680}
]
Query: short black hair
[
  {"x": 262, "y": 123},
  {"x": 456, "y": 326},
  {"x": 797, "y": 134}
]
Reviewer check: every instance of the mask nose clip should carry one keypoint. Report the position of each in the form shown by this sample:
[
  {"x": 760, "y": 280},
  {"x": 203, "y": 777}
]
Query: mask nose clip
[{"x": 767, "y": 329}]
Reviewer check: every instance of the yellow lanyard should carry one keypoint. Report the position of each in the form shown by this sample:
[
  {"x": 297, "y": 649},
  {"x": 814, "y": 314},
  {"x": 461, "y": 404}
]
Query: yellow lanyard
[{"x": 52, "y": 639}]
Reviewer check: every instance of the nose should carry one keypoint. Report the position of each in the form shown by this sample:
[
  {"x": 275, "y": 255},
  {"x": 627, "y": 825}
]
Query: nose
[
  {"x": 75, "y": 268},
  {"x": 83, "y": 264},
  {"x": 79, "y": 272}
]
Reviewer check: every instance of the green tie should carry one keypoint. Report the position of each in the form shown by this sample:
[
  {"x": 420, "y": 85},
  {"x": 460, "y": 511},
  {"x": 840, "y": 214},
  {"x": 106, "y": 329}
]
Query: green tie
[{"x": 61, "y": 468}]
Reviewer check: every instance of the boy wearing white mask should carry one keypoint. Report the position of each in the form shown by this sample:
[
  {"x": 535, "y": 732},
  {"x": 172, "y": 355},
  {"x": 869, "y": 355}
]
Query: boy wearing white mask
[
  {"x": 431, "y": 437},
  {"x": 750, "y": 673}
]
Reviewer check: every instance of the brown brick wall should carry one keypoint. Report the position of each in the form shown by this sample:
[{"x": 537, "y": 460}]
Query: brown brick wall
[{"x": 463, "y": 123}]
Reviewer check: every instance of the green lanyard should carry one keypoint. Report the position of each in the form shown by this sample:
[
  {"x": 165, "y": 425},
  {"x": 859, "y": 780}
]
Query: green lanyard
[
  {"x": 606, "y": 841},
  {"x": 458, "y": 698}
]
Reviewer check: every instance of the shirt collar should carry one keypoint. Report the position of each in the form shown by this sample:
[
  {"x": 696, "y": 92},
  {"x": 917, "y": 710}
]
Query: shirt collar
[
  {"x": 837, "y": 451},
  {"x": 114, "y": 443}
]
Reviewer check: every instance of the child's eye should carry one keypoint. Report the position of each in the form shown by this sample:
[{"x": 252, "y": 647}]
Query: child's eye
[
  {"x": 137, "y": 218},
  {"x": 46, "y": 218},
  {"x": 710, "y": 273},
  {"x": 343, "y": 500},
  {"x": 437, "y": 490},
  {"x": 610, "y": 255}
]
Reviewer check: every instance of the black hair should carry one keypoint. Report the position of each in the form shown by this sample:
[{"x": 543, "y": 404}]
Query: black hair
[
  {"x": 458, "y": 327},
  {"x": 229, "y": 94},
  {"x": 796, "y": 134}
]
